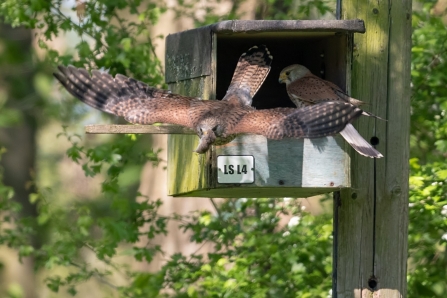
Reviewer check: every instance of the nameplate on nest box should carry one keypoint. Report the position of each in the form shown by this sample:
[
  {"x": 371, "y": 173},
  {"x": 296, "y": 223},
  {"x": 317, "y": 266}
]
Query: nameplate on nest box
[{"x": 235, "y": 169}]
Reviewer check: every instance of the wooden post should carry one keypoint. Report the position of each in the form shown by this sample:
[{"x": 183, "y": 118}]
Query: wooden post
[{"x": 372, "y": 239}]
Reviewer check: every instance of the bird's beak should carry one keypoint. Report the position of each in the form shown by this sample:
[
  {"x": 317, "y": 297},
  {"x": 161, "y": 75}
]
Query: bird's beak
[
  {"x": 282, "y": 78},
  {"x": 207, "y": 139}
]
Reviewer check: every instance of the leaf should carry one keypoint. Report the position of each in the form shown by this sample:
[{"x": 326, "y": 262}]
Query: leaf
[
  {"x": 10, "y": 117},
  {"x": 416, "y": 181},
  {"x": 442, "y": 174},
  {"x": 205, "y": 219},
  {"x": 126, "y": 43}
]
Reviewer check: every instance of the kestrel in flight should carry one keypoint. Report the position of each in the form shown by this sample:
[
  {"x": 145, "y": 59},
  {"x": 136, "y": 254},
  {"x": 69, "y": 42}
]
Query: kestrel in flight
[
  {"x": 213, "y": 120},
  {"x": 306, "y": 89}
]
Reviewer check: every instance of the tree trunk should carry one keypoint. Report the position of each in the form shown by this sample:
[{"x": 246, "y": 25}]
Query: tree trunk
[{"x": 19, "y": 140}]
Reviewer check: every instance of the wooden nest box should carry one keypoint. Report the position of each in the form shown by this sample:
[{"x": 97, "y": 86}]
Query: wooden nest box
[{"x": 201, "y": 62}]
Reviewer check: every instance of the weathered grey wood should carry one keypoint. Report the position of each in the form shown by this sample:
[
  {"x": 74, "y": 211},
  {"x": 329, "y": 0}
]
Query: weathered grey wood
[
  {"x": 309, "y": 163},
  {"x": 381, "y": 77},
  {"x": 188, "y": 171},
  {"x": 229, "y": 191},
  {"x": 188, "y": 55},
  {"x": 310, "y": 167},
  {"x": 128, "y": 128},
  {"x": 252, "y": 26}
]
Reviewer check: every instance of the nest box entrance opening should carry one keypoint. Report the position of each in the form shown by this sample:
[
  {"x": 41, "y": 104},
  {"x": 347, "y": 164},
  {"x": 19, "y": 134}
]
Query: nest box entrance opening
[{"x": 324, "y": 54}]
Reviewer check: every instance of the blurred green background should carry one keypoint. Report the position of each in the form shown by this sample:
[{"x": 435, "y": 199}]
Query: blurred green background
[{"x": 89, "y": 215}]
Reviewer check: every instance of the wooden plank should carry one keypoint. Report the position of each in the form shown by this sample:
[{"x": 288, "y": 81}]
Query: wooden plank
[
  {"x": 371, "y": 266},
  {"x": 314, "y": 163},
  {"x": 235, "y": 191},
  {"x": 188, "y": 55},
  {"x": 143, "y": 129},
  {"x": 263, "y": 26}
]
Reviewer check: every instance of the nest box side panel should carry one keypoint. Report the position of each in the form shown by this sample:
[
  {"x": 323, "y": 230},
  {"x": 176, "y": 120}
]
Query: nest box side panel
[
  {"x": 336, "y": 60},
  {"x": 189, "y": 55},
  {"x": 189, "y": 71},
  {"x": 294, "y": 167},
  {"x": 187, "y": 170}
]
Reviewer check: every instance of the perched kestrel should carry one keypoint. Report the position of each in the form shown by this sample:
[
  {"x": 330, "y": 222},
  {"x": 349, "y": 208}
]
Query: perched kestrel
[
  {"x": 211, "y": 119},
  {"x": 306, "y": 89},
  {"x": 250, "y": 73}
]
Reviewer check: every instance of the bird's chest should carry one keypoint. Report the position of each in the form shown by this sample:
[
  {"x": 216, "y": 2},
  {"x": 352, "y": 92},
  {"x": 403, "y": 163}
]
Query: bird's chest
[{"x": 229, "y": 119}]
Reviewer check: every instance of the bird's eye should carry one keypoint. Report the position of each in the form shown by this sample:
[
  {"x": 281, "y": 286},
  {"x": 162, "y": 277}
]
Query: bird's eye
[
  {"x": 287, "y": 73},
  {"x": 215, "y": 128},
  {"x": 200, "y": 129}
]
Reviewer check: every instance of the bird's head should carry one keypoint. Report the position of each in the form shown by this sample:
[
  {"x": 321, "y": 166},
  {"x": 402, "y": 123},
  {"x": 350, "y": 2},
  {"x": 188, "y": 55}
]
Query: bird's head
[
  {"x": 292, "y": 72},
  {"x": 208, "y": 132}
]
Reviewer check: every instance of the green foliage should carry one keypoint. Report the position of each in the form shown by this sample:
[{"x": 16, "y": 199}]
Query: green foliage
[
  {"x": 294, "y": 9},
  {"x": 255, "y": 255},
  {"x": 110, "y": 40},
  {"x": 204, "y": 12},
  {"x": 428, "y": 230},
  {"x": 428, "y": 200},
  {"x": 429, "y": 77},
  {"x": 15, "y": 231}
]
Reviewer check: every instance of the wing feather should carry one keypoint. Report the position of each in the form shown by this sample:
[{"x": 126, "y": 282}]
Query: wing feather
[
  {"x": 134, "y": 100},
  {"x": 250, "y": 73},
  {"x": 320, "y": 120}
]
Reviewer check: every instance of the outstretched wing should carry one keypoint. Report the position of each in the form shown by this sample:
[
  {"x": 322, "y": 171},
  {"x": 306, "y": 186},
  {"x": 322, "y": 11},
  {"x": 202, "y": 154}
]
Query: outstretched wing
[
  {"x": 122, "y": 96},
  {"x": 320, "y": 120},
  {"x": 251, "y": 70}
]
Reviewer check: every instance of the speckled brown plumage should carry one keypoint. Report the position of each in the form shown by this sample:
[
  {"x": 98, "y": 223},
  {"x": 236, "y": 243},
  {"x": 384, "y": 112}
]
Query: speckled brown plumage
[
  {"x": 215, "y": 121},
  {"x": 250, "y": 73},
  {"x": 306, "y": 89}
]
